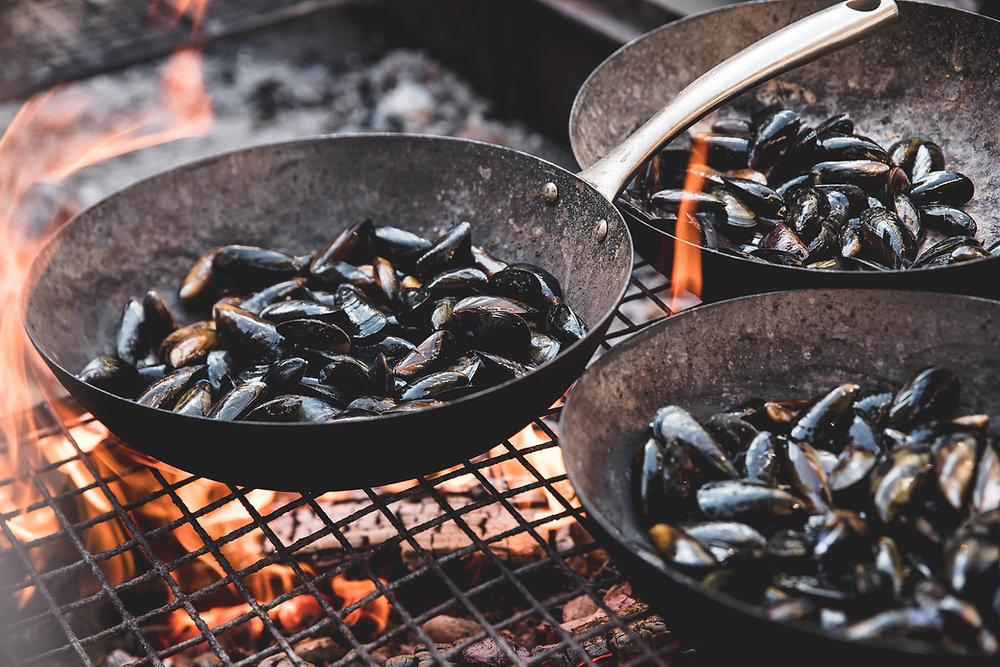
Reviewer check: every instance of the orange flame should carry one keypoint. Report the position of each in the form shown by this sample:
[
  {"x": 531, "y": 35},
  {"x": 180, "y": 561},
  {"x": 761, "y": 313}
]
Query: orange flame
[
  {"x": 290, "y": 615},
  {"x": 41, "y": 146},
  {"x": 45, "y": 143},
  {"x": 548, "y": 463},
  {"x": 685, "y": 278},
  {"x": 186, "y": 112},
  {"x": 374, "y": 613}
]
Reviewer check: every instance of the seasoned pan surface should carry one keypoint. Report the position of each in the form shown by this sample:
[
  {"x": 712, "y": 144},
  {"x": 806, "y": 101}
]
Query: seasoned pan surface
[
  {"x": 295, "y": 197},
  {"x": 934, "y": 71},
  {"x": 781, "y": 344}
]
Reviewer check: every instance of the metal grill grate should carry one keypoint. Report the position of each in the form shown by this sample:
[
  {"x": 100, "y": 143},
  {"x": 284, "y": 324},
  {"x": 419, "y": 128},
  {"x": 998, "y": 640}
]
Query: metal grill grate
[
  {"x": 59, "y": 624},
  {"x": 48, "y": 42}
]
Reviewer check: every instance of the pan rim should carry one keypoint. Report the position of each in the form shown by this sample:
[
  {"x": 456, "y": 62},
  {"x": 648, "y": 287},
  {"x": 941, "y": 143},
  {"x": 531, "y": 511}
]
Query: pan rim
[
  {"x": 579, "y": 102},
  {"x": 901, "y": 646},
  {"x": 37, "y": 269},
  {"x": 575, "y": 108},
  {"x": 533, "y": 165}
]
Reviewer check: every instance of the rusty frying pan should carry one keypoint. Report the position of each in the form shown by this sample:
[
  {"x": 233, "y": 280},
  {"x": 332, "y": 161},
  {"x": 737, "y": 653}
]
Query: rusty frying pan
[
  {"x": 294, "y": 197},
  {"x": 933, "y": 72},
  {"x": 773, "y": 345}
]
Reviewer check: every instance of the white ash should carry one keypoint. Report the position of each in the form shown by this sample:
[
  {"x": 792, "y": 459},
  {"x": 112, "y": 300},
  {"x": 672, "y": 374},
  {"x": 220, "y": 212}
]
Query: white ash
[{"x": 310, "y": 77}]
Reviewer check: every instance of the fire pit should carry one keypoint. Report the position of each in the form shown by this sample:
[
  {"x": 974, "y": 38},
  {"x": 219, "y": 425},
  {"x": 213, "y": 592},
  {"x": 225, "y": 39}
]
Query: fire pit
[{"x": 110, "y": 558}]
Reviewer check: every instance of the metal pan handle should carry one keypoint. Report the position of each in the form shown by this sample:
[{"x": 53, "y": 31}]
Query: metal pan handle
[{"x": 794, "y": 45}]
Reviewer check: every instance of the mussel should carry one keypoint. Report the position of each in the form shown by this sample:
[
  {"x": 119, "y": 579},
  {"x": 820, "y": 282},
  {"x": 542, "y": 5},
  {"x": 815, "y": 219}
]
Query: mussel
[
  {"x": 875, "y": 506},
  {"x": 377, "y": 320},
  {"x": 823, "y": 197}
]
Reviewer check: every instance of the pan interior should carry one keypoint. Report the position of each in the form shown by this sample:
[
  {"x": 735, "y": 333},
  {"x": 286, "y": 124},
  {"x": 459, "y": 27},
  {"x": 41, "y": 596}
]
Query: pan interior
[
  {"x": 932, "y": 72},
  {"x": 298, "y": 195},
  {"x": 776, "y": 345}
]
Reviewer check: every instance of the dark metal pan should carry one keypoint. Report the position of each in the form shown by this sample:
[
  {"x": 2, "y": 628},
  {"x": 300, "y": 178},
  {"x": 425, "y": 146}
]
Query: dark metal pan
[
  {"x": 779, "y": 344},
  {"x": 295, "y": 197},
  {"x": 932, "y": 72}
]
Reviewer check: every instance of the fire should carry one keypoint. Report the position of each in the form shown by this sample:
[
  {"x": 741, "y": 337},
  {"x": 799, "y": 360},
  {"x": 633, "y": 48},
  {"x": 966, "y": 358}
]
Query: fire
[
  {"x": 685, "y": 278},
  {"x": 374, "y": 613},
  {"x": 547, "y": 463},
  {"x": 44, "y": 144},
  {"x": 41, "y": 145}
]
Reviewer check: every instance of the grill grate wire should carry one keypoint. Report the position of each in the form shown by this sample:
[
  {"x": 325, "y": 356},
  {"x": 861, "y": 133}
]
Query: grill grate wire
[
  {"x": 72, "y": 642},
  {"x": 54, "y": 41}
]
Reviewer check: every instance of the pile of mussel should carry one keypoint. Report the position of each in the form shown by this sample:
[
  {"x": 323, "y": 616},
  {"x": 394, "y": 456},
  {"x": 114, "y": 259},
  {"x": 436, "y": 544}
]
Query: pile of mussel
[
  {"x": 379, "y": 320},
  {"x": 873, "y": 511},
  {"x": 775, "y": 189}
]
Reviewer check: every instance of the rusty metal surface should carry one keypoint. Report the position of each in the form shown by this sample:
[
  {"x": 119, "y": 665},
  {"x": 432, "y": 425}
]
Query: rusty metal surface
[
  {"x": 777, "y": 345},
  {"x": 934, "y": 72},
  {"x": 145, "y": 237}
]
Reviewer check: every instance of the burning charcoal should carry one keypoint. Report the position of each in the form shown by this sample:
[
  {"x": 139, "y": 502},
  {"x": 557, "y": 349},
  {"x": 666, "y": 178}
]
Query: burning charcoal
[{"x": 450, "y": 629}]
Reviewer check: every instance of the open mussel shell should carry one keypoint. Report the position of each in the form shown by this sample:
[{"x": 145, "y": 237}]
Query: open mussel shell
[
  {"x": 798, "y": 343},
  {"x": 885, "y": 87}
]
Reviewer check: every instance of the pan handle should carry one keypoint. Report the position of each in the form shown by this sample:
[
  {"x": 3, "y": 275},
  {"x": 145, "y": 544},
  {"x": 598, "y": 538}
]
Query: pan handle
[{"x": 796, "y": 44}]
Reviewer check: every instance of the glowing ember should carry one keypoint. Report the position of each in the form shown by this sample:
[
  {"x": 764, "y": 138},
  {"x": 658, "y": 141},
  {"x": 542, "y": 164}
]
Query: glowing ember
[
  {"x": 290, "y": 615},
  {"x": 374, "y": 613}
]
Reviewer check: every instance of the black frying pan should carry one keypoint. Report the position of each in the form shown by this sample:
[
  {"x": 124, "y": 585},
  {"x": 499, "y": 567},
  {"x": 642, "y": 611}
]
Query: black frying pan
[
  {"x": 295, "y": 197},
  {"x": 935, "y": 71},
  {"x": 781, "y": 344}
]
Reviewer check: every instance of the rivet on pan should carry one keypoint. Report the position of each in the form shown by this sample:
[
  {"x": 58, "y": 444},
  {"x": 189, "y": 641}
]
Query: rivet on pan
[
  {"x": 550, "y": 193},
  {"x": 601, "y": 230}
]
